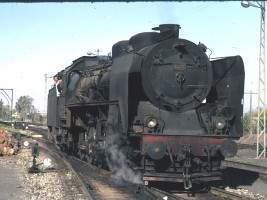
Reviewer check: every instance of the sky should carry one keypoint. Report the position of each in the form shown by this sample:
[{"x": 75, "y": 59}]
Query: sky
[{"x": 41, "y": 39}]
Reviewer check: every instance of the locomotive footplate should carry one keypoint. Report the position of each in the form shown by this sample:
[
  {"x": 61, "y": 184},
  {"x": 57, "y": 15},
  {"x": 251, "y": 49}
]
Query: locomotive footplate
[{"x": 214, "y": 176}]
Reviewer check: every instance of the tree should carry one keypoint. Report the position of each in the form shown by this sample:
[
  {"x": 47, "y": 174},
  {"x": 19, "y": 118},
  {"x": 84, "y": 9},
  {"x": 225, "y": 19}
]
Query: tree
[
  {"x": 246, "y": 123},
  {"x": 250, "y": 122},
  {"x": 1, "y": 106},
  {"x": 41, "y": 118},
  {"x": 4, "y": 111},
  {"x": 23, "y": 106}
]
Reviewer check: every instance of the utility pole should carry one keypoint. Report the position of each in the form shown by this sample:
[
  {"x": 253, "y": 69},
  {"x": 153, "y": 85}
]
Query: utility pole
[
  {"x": 261, "y": 130},
  {"x": 98, "y": 51},
  {"x": 250, "y": 111},
  {"x": 45, "y": 95},
  {"x": 261, "y": 124}
]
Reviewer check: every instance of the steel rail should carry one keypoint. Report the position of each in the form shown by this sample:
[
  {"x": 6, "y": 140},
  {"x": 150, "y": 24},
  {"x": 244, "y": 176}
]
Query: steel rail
[
  {"x": 245, "y": 166},
  {"x": 227, "y": 195}
]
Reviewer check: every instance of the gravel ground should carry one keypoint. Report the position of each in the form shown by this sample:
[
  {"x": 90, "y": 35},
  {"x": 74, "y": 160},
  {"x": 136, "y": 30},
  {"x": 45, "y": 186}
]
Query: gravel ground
[{"x": 41, "y": 186}]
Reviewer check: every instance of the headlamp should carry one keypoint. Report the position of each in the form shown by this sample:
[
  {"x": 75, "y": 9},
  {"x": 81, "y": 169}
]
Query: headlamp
[
  {"x": 219, "y": 123},
  {"x": 151, "y": 122}
]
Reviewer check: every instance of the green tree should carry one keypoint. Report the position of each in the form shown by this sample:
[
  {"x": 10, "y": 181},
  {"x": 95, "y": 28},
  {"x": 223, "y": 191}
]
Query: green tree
[
  {"x": 1, "y": 107},
  {"x": 4, "y": 112},
  {"x": 23, "y": 107},
  {"x": 246, "y": 123},
  {"x": 40, "y": 118}
]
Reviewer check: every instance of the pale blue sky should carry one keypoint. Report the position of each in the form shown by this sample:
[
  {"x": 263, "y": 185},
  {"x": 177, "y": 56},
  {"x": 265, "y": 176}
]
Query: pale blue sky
[{"x": 43, "y": 38}]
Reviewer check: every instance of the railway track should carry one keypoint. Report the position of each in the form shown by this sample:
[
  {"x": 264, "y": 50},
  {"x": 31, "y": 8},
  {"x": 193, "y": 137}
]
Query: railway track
[
  {"x": 100, "y": 184},
  {"x": 247, "y": 146},
  {"x": 96, "y": 182},
  {"x": 227, "y": 195},
  {"x": 262, "y": 170}
]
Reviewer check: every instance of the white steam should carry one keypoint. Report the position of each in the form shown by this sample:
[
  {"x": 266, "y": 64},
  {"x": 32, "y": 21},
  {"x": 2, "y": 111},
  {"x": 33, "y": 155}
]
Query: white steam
[{"x": 118, "y": 162}]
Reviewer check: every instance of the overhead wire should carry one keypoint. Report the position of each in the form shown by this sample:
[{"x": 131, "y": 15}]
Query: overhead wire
[{"x": 196, "y": 9}]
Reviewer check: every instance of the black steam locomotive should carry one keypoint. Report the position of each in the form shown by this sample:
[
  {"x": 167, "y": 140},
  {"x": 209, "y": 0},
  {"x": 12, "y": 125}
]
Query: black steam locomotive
[{"x": 158, "y": 105}]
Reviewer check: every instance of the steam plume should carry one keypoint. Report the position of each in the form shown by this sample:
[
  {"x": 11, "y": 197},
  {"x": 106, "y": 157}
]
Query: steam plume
[{"x": 118, "y": 162}]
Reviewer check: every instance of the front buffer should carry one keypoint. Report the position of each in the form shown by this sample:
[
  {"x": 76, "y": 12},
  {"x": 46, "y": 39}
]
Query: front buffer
[{"x": 187, "y": 159}]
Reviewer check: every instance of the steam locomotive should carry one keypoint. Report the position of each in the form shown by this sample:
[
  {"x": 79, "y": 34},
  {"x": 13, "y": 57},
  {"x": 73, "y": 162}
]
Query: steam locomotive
[{"x": 158, "y": 105}]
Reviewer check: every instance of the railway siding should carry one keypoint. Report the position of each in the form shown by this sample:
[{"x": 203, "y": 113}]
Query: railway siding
[{"x": 259, "y": 167}]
